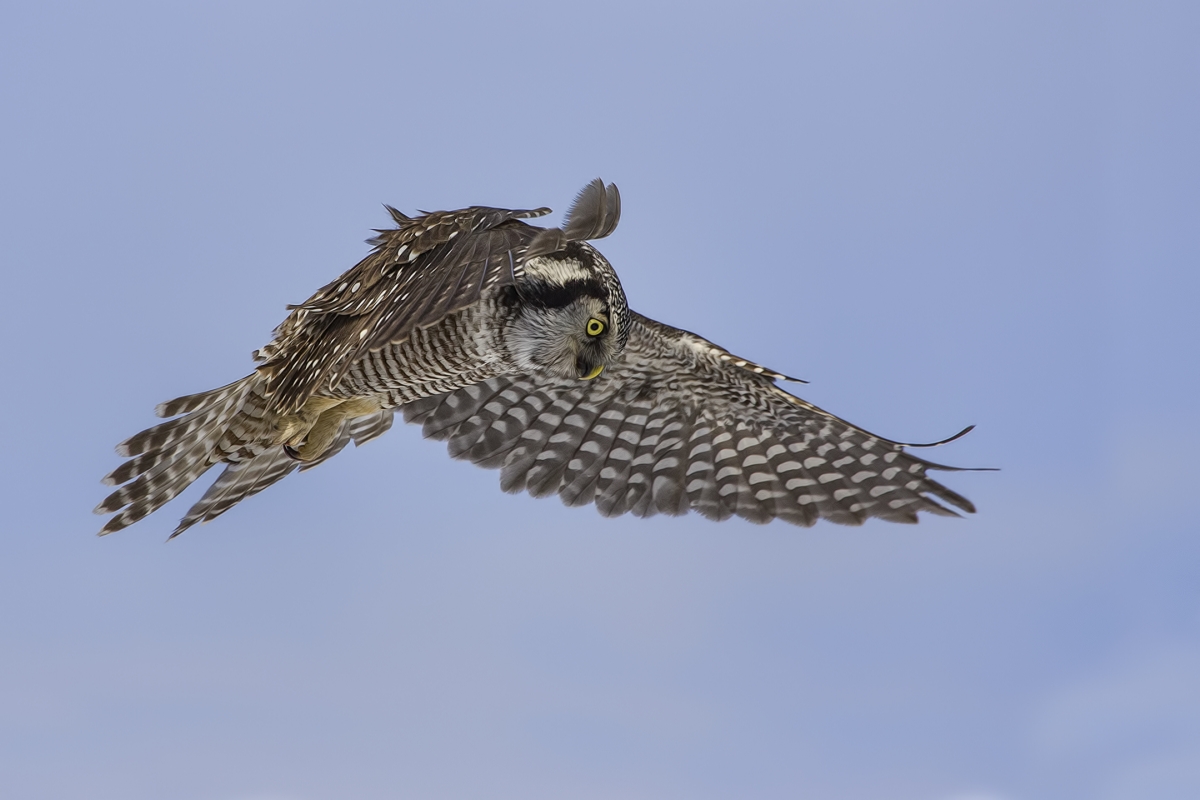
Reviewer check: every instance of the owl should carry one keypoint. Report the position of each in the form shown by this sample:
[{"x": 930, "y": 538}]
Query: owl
[{"x": 515, "y": 345}]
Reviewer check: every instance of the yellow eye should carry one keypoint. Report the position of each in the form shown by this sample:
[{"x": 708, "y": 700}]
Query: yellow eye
[{"x": 595, "y": 327}]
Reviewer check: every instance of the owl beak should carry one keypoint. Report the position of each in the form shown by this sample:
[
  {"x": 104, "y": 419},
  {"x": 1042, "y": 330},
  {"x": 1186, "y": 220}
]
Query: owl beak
[{"x": 593, "y": 372}]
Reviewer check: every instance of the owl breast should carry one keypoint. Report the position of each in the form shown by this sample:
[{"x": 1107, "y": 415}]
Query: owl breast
[{"x": 462, "y": 349}]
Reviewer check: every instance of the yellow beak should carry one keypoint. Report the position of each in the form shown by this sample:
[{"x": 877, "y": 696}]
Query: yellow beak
[{"x": 595, "y": 371}]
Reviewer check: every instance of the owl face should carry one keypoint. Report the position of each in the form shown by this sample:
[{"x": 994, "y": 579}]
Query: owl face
[
  {"x": 575, "y": 340},
  {"x": 572, "y": 317}
]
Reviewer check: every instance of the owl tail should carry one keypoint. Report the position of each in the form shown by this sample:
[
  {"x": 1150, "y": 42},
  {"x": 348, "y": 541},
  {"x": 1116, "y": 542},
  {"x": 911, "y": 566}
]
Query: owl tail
[
  {"x": 166, "y": 459},
  {"x": 230, "y": 424}
]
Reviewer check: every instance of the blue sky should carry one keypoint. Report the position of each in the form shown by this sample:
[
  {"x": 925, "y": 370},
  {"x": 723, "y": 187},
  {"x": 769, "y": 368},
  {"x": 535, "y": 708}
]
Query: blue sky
[{"x": 938, "y": 213}]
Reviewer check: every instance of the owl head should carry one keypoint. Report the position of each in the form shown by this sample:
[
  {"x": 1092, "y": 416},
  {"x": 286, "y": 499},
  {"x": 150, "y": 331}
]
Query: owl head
[{"x": 572, "y": 319}]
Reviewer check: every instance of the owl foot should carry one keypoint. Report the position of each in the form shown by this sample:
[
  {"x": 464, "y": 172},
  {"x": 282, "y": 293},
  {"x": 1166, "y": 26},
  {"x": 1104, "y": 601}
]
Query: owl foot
[{"x": 312, "y": 443}]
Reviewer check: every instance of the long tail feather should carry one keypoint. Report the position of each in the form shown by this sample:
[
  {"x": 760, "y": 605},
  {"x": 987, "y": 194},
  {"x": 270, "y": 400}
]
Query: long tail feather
[
  {"x": 169, "y": 457},
  {"x": 239, "y": 481},
  {"x": 249, "y": 477},
  {"x": 230, "y": 425}
]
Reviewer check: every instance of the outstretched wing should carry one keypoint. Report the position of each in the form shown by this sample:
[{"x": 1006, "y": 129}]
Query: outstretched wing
[
  {"x": 682, "y": 424},
  {"x": 426, "y": 268}
]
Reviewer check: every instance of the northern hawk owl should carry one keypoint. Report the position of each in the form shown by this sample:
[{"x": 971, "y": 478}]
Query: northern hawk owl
[{"x": 514, "y": 344}]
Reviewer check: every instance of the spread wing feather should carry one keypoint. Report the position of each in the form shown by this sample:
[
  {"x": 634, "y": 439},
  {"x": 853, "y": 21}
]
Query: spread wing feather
[
  {"x": 680, "y": 424},
  {"x": 429, "y": 267},
  {"x": 425, "y": 269}
]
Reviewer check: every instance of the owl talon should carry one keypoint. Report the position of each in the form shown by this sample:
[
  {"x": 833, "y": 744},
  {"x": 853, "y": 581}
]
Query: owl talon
[{"x": 293, "y": 453}]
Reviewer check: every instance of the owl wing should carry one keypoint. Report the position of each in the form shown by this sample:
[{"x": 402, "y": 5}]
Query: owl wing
[
  {"x": 681, "y": 424},
  {"x": 427, "y": 268}
]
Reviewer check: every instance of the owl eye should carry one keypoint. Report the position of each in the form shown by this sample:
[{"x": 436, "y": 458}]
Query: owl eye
[{"x": 595, "y": 327}]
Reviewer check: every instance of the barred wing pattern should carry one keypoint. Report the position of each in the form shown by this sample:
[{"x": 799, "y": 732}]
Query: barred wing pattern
[
  {"x": 429, "y": 267},
  {"x": 425, "y": 269},
  {"x": 420, "y": 273},
  {"x": 681, "y": 424}
]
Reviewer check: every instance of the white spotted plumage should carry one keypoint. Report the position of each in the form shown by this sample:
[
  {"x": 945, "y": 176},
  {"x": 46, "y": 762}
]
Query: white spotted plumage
[
  {"x": 472, "y": 323},
  {"x": 660, "y": 433}
]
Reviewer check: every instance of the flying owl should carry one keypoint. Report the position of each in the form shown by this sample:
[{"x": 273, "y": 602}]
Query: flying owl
[{"x": 515, "y": 345}]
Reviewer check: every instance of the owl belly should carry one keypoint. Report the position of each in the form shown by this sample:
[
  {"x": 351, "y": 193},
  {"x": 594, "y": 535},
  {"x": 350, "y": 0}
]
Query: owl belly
[{"x": 463, "y": 349}]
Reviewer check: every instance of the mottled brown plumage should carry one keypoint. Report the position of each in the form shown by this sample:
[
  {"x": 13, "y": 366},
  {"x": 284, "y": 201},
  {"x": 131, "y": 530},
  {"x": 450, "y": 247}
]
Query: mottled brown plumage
[{"x": 489, "y": 331}]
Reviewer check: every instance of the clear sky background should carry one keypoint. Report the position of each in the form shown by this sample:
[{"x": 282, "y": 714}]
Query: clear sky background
[{"x": 939, "y": 213}]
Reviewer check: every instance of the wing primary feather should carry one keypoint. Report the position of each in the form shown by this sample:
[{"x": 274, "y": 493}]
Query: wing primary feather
[
  {"x": 546, "y": 472},
  {"x": 521, "y": 466},
  {"x": 579, "y": 467},
  {"x": 699, "y": 482},
  {"x": 585, "y": 218},
  {"x": 613, "y": 477},
  {"x": 467, "y": 434},
  {"x": 670, "y": 466},
  {"x": 947, "y": 440},
  {"x": 638, "y": 495},
  {"x": 579, "y": 482},
  {"x": 612, "y": 213}
]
